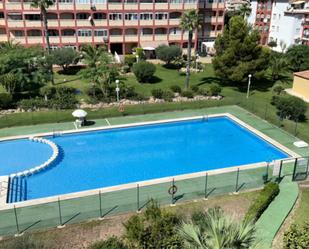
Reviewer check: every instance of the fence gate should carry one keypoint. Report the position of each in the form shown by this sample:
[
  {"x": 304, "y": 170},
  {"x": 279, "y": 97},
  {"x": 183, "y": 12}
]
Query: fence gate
[{"x": 301, "y": 167}]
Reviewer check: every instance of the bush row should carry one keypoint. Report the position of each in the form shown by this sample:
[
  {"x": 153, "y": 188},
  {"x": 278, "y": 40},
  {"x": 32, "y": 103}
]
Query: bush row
[{"x": 266, "y": 196}]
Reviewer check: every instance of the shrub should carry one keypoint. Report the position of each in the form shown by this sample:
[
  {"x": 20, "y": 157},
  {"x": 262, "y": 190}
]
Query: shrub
[
  {"x": 25, "y": 242},
  {"x": 140, "y": 53},
  {"x": 125, "y": 69},
  {"x": 110, "y": 243},
  {"x": 195, "y": 88},
  {"x": 176, "y": 88},
  {"x": 168, "y": 96},
  {"x": 168, "y": 53},
  {"x": 278, "y": 89},
  {"x": 48, "y": 91},
  {"x": 129, "y": 59},
  {"x": 297, "y": 237},
  {"x": 266, "y": 196},
  {"x": 203, "y": 91},
  {"x": 33, "y": 104},
  {"x": 214, "y": 89},
  {"x": 189, "y": 94},
  {"x": 155, "y": 228},
  {"x": 64, "y": 57},
  {"x": 5, "y": 100},
  {"x": 157, "y": 93},
  {"x": 144, "y": 71},
  {"x": 290, "y": 107}
]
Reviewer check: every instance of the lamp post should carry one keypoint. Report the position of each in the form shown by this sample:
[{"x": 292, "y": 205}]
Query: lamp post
[
  {"x": 249, "y": 84},
  {"x": 117, "y": 89},
  {"x": 196, "y": 62}
]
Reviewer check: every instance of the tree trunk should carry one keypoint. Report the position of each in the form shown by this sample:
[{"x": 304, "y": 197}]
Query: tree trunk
[
  {"x": 45, "y": 24},
  {"x": 188, "y": 60}
]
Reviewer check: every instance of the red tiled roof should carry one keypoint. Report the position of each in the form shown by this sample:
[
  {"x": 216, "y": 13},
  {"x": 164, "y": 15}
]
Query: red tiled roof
[{"x": 303, "y": 74}]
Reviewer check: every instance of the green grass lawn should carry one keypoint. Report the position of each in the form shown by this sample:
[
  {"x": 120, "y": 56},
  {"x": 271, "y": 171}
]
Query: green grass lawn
[
  {"x": 258, "y": 102},
  {"x": 301, "y": 214}
]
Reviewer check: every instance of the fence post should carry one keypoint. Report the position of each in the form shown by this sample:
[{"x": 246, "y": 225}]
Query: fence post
[
  {"x": 206, "y": 185},
  {"x": 266, "y": 109},
  {"x": 267, "y": 170},
  {"x": 280, "y": 169},
  {"x": 60, "y": 215},
  {"x": 294, "y": 170},
  {"x": 237, "y": 179},
  {"x": 173, "y": 184},
  {"x": 17, "y": 224},
  {"x": 100, "y": 202},
  {"x": 137, "y": 192}
]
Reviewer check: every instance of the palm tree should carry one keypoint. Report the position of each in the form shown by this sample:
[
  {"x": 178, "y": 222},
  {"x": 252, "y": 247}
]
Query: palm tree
[
  {"x": 278, "y": 65},
  {"x": 189, "y": 22},
  {"x": 245, "y": 10},
  {"x": 43, "y": 5},
  {"x": 215, "y": 230}
]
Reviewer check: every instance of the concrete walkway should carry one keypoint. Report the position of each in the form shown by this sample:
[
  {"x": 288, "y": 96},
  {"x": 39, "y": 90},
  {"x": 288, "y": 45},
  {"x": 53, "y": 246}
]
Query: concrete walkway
[{"x": 272, "y": 219}]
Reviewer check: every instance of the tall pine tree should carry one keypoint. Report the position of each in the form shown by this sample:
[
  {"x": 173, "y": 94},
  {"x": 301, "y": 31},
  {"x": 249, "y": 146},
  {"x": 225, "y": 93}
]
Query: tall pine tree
[{"x": 238, "y": 52}]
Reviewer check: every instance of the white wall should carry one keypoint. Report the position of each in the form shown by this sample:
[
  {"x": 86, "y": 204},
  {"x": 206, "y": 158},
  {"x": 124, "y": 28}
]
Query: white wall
[
  {"x": 284, "y": 27},
  {"x": 251, "y": 18}
]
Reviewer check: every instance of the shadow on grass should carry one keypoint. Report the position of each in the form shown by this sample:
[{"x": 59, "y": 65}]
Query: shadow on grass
[
  {"x": 154, "y": 80},
  {"x": 73, "y": 70}
]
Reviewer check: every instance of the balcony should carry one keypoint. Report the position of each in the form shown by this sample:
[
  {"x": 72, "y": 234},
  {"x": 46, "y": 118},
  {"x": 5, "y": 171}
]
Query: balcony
[
  {"x": 161, "y": 37},
  {"x": 174, "y": 21},
  {"x": 115, "y": 23},
  {"x": 116, "y": 38},
  {"x": 20, "y": 40},
  {"x": 100, "y": 22},
  {"x": 68, "y": 39},
  {"x": 100, "y": 39},
  {"x": 175, "y": 37},
  {"x": 3, "y": 38},
  {"x": 114, "y": 6},
  {"x": 53, "y": 23},
  {"x": 80, "y": 6},
  {"x": 130, "y": 6},
  {"x": 131, "y": 38},
  {"x": 161, "y": 6},
  {"x": 66, "y": 6},
  {"x": 2, "y": 22},
  {"x": 35, "y": 39},
  {"x": 15, "y": 23},
  {"x": 146, "y": 22},
  {"x": 13, "y": 6},
  {"x": 83, "y": 23},
  {"x": 67, "y": 22},
  {"x": 161, "y": 22},
  {"x": 54, "y": 39},
  {"x": 146, "y": 38},
  {"x": 131, "y": 22},
  {"x": 146, "y": 6},
  {"x": 220, "y": 19},
  {"x": 189, "y": 6},
  {"x": 87, "y": 39},
  {"x": 176, "y": 6}
]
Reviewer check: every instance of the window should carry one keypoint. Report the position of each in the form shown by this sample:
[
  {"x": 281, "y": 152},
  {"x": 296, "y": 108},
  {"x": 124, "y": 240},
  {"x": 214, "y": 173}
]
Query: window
[
  {"x": 279, "y": 16},
  {"x": 18, "y": 33},
  {"x": 100, "y": 32},
  {"x": 99, "y": 16},
  {"x": 65, "y": 1},
  {"x": 83, "y": 1},
  {"x": 274, "y": 16},
  {"x": 175, "y": 31},
  {"x": 84, "y": 32},
  {"x": 33, "y": 17},
  {"x": 68, "y": 32},
  {"x": 82, "y": 16},
  {"x": 277, "y": 28},
  {"x": 146, "y": 16},
  {"x": 161, "y": 16},
  {"x": 273, "y": 28},
  {"x": 175, "y": 1},
  {"x": 115, "y": 16},
  {"x": 131, "y": 16},
  {"x": 190, "y": 1},
  {"x": 99, "y": 1},
  {"x": 1, "y": 15},
  {"x": 15, "y": 16}
]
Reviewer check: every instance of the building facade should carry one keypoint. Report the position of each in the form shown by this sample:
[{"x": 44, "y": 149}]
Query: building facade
[
  {"x": 119, "y": 24},
  {"x": 283, "y": 21}
]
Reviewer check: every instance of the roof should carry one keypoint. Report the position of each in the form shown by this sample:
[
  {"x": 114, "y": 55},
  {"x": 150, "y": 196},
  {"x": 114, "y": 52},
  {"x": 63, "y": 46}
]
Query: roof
[{"x": 303, "y": 74}]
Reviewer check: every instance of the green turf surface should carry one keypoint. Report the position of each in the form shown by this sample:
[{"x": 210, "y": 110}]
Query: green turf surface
[{"x": 271, "y": 220}]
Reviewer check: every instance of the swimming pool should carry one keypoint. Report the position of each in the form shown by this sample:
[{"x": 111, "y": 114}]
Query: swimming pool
[{"x": 110, "y": 157}]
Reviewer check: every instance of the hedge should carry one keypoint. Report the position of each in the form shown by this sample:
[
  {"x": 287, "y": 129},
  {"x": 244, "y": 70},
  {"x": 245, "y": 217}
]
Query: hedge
[{"x": 266, "y": 196}]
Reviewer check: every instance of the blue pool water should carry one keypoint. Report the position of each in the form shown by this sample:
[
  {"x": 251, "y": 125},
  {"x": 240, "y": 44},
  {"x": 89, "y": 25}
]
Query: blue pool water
[{"x": 118, "y": 156}]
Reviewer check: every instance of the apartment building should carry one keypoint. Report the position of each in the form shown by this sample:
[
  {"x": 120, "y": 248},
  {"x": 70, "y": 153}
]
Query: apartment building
[
  {"x": 283, "y": 21},
  {"x": 120, "y": 24}
]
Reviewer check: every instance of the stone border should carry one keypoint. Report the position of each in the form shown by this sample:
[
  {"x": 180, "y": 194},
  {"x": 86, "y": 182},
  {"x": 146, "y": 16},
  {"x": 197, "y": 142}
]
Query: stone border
[
  {"x": 43, "y": 166},
  {"x": 151, "y": 181}
]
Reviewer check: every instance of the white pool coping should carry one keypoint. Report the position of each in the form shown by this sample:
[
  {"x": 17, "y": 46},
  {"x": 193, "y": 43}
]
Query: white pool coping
[{"x": 4, "y": 205}]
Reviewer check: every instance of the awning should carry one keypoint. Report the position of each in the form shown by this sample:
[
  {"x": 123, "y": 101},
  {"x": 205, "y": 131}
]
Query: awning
[
  {"x": 208, "y": 44},
  {"x": 298, "y": 2},
  {"x": 152, "y": 45}
]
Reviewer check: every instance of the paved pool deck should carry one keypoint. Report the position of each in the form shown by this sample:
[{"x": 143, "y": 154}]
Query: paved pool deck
[{"x": 272, "y": 218}]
